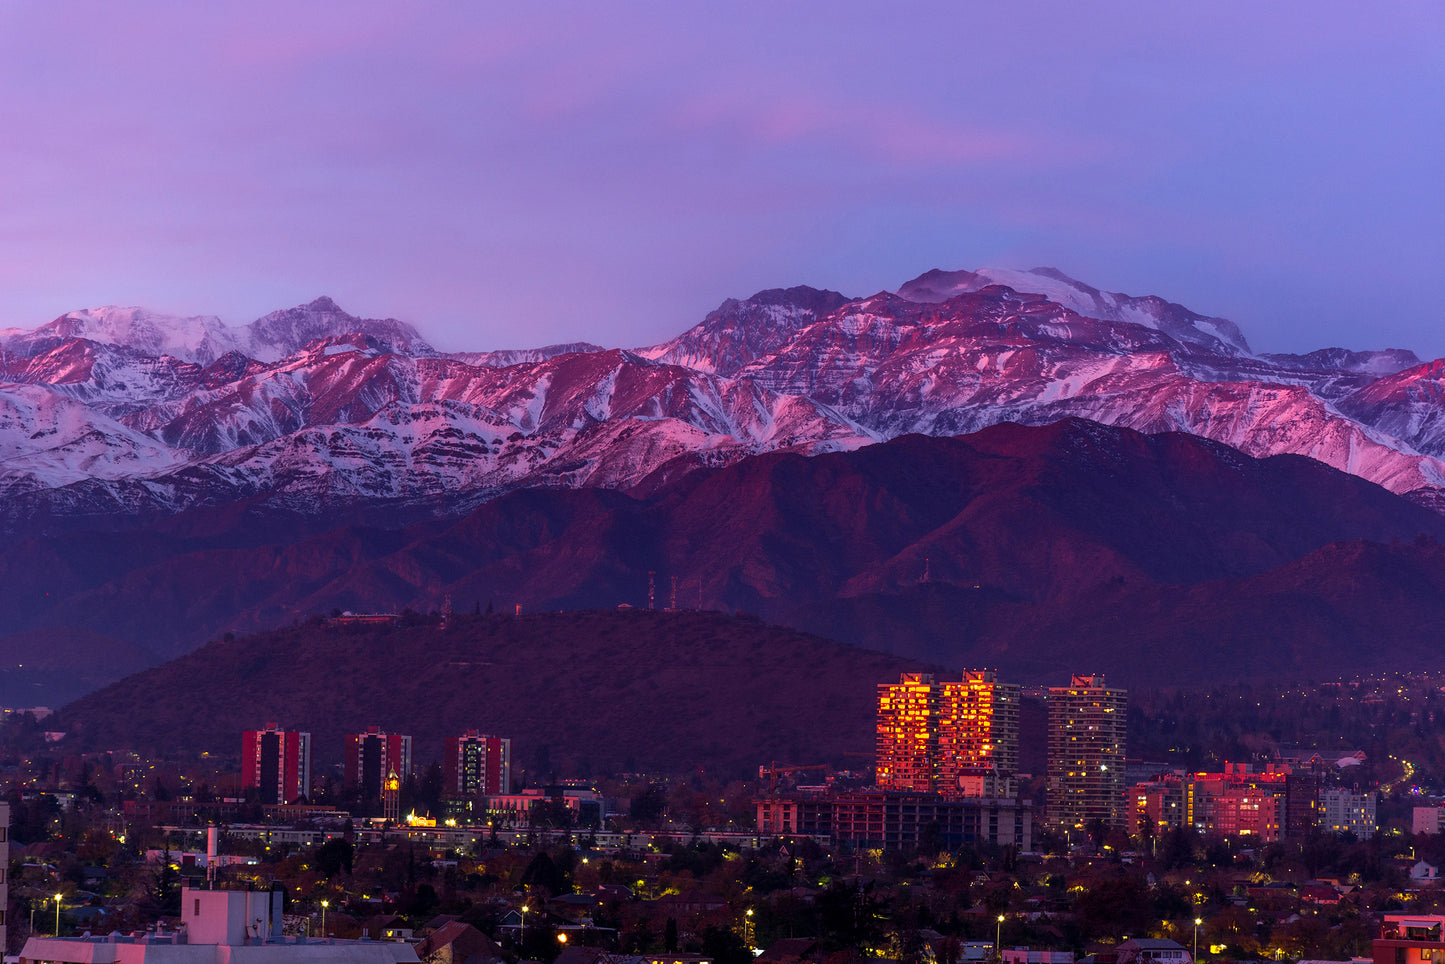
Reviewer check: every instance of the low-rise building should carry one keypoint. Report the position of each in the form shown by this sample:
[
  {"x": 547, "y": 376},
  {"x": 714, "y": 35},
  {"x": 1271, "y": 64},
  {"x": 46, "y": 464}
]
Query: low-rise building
[
  {"x": 217, "y": 927},
  {"x": 1150, "y": 950},
  {"x": 897, "y": 820},
  {"x": 1033, "y": 955},
  {"x": 1409, "y": 939}
]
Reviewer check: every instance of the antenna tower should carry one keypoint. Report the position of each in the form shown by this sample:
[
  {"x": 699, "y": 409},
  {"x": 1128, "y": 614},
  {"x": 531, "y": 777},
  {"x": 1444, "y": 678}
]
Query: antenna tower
[
  {"x": 925, "y": 569},
  {"x": 651, "y": 590},
  {"x": 672, "y": 600}
]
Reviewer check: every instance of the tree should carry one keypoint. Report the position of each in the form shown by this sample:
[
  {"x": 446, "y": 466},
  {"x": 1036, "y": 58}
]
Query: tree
[
  {"x": 724, "y": 946},
  {"x": 543, "y": 873},
  {"x": 648, "y": 806},
  {"x": 550, "y": 813},
  {"x": 163, "y": 897},
  {"x": 334, "y": 856},
  {"x": 1114, "y": 907}
]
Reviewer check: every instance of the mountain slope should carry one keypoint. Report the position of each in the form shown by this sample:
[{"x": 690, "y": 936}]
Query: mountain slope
[
  {"x": 592, "y": 691},
  {"x": 949, "y": 549}
]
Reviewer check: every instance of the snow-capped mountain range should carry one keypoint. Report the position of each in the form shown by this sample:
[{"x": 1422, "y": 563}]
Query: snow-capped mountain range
[{"x": 119, "y": 410}]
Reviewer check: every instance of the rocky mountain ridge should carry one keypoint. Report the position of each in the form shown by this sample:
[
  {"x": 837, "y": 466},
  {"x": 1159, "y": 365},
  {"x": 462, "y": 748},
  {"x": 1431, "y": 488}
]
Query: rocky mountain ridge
[{"x": 111, "y": 411}]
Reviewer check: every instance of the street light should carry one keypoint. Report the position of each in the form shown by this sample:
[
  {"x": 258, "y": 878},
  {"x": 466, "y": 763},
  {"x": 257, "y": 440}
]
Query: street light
[
  {"x": 749, "y": 927},
  {"x": 57, "y": 915},
  {"x": 525, "y": 908},
  {"x": 562, "y": 938},
  {"x": 1197, "y": 922},
  {"x": 998, "y": 939},
  {"x": 324, "y": 904}
]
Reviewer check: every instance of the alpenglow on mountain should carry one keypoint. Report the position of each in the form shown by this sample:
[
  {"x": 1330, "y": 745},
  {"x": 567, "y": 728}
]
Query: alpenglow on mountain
[{"x": 119, "y": 412}]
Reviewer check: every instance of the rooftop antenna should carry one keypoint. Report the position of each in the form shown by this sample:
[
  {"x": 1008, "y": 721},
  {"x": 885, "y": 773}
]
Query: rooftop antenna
[
  {"x": 651, "y": 590},
  {"x": 672, "y": 600},
  {"x": 925, "y": 568}
]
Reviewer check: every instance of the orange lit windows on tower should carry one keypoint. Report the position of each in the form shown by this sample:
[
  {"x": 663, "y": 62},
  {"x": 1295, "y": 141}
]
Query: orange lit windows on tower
[
  {"x": 931, "y": 732},
  {"x": 908, "y": 733}
]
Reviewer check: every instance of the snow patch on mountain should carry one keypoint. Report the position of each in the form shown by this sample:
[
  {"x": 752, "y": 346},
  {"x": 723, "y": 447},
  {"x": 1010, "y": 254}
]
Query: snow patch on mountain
[
  {"x": 317, "y": 406},
  {"x": 204, "y": 338},
  {"x": 1216, "y": 334},
  {"x": 200, "y": 338},
  {"x": 508, "y": 358},
  {"x": 49, "y": 440},
  {"x": 740, "y": 331}
]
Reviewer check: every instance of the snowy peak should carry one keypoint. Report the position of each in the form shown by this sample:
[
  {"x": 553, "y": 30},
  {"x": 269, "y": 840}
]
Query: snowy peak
[
  {"x": 282, "y": 333},
  {"x": 1213, "y": 334},
  {"x": 1376, "y": 363},
  {"x": 739, "y": 332},
  {"x": 505, "y": 358},
  {"x": 938, "y": 285},
  {"x": 204, "y": 338},
  {"x": 200, "y": 339}
]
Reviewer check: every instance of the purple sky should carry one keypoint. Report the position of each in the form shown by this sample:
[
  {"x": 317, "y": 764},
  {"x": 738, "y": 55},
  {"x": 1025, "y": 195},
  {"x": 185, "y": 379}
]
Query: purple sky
[{"x": 510, "y": 176}]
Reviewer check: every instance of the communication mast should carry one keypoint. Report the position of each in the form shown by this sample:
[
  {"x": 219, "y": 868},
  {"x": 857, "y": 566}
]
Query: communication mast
[
  {"x": 651, "y": 590},
  {"x": 672, "y": 600}
]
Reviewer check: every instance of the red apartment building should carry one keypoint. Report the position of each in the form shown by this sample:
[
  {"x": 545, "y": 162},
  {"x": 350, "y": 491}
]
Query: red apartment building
[
  {"x": 476, "y": 764},
  {"x": 377, "y": 763},
  {"x": 277, "y": 763},
  {"x": 1270, "y": 805},
  {"x": 1247, "y": 811}
]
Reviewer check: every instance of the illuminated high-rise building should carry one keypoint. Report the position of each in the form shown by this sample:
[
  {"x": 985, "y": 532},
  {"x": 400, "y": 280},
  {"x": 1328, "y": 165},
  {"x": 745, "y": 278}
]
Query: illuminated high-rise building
[
  {"x": 476, "y": 764},
  {"x": 958, "y": 737},
  {"x": 1087, "y": 726},
  {"x": 277, "y": 763}
]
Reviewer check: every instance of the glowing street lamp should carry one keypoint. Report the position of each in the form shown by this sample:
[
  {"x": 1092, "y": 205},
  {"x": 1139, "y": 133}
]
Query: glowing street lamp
[
  {"x": 562, "y": 938},
  {"x": 525, "y": 908},
  {"x": 57, "y": 915},
  {"x": 749, "y": 922},
  {"x": 1197, "y": 922},
  {"x": 998, "y": 939},
  {"x": 324, "y": 904}
]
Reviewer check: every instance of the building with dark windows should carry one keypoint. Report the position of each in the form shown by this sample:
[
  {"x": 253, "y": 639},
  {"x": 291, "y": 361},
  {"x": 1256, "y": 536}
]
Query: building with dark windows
[
  {"x": 954, "y": 737},
  {"x": 277, "y": 764},
  {"x": 897, "y": 821},
  {"x": 377, "y": 764},
  {"x": 1087, "y": 721}
]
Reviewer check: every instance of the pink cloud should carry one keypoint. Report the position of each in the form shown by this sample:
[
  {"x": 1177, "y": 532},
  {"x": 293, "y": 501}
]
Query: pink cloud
[{"x": 894, "y": 133}]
